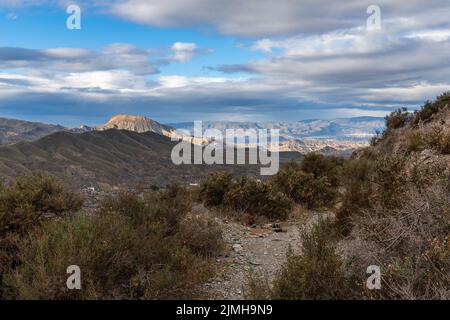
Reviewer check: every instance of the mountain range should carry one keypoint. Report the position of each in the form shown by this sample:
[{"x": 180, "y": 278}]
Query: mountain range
[
  {"x": 136, "y": 150},
  {"x": 110, "y": 158}
]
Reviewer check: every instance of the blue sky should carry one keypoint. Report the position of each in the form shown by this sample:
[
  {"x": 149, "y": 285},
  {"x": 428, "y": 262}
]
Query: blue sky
[{"x": 184, "y": 60}]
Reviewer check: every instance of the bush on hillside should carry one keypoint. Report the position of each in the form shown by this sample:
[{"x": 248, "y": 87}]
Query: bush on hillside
[
  {"x": 304, "y": 187},
  {"x": 323, "y": 166},
  {"x": 213, "y": 189},
  {"x": 398, "y": 119},
  {"x": 23, "y": 206},
  {"x": 430, "y": 108},
  {"x": 316, "y": 273},
  {"x": 136, "y": 247},
  {"x": 257, "y": 198}
]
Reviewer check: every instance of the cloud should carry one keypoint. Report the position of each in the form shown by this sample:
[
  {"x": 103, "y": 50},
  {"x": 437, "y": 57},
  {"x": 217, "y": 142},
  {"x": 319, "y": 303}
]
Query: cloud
[
  {"x": 315, "y": 59},
  {"x": 258, "y": 18},
  {"x": 185, "y": 51},
  {"x": 112, "y": 57}
]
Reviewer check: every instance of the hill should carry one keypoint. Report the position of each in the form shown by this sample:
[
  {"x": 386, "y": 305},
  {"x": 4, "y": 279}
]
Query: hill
[
  {"x": 13, "y": 131},
  {"x": 110, "y": 157}
]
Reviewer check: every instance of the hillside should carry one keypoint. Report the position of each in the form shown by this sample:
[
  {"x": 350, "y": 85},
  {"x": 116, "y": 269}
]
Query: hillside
[
  {"x": 13, "y": 131},
  {"x": 113, "y": 157}
]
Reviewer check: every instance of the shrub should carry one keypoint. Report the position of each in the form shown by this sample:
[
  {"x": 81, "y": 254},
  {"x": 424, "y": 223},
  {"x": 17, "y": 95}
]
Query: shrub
[
  {"x": 257, "y": 198},
  {"x": 168, "y": 206},
  {"x": 439, "y": 139},
  {"x": 213, "y": 189},
  {"x": 137, "y": 247},
  {"x": 397, "y": 119},
  {"x": 23, "y": 207},
  {"x": 358, "y": 191},
  {"x": 323, "y": 166},
  {"x": 317, "y": 272},
  {"x": 304, "y": 188},
  {"x": 201, "y": 234},
  {"x": 415, "y": 141},
  {"x": 431, "y": 108}
]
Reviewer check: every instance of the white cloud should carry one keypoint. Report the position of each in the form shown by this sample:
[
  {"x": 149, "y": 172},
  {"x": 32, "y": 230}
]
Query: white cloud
[
  {"x": 282, "y": 17},
  {"x": 184, "y": 51}
]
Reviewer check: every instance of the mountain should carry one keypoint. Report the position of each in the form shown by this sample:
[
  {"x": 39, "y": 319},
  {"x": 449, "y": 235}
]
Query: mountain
[
  {"x": 13, "y": 131},
  {"x": 337, "y": 137},
  {"x": 138, "y": 124},
  {"x": 110, "y": 157},
  {"x": 348, "y": 129}
]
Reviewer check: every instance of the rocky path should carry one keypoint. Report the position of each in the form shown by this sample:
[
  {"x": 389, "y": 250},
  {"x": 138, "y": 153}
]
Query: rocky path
[{"x": 258, "y": 249}]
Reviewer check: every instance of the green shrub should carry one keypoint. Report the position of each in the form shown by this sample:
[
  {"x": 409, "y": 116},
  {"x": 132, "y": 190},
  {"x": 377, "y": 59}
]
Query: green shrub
[
  {"x": 251, "y": 196},
  {"x": 323, "y": 166},
  {"x": 359, "y": 191},
  {"x": 370, "y": 183},
  {"x": 430, "y": 108},
  {"x": 304, "y": 188},
  {"x": 213, "y": 189},
  {"x": 397, "y": 119}
]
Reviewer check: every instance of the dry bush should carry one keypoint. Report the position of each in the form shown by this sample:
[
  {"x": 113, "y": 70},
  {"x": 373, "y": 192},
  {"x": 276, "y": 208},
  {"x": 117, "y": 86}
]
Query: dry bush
[
  {"x": 23, "y": 206},
  {"x": 439, "y": 139},
  {"x": 415, "y": 141},
  {"x": 202, "y": 234},
  {"x": 409, "y": 243},
  {"x": 137, "y": 247},
  {"x": 317, "y": 272}
]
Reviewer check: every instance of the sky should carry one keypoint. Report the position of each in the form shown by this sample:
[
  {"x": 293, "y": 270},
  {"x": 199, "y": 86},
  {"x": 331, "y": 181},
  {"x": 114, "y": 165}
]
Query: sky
[{"x": 254, "y": 60}]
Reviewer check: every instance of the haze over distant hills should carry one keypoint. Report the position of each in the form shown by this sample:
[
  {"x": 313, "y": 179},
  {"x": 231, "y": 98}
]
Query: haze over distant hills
[{"x": 348, "y": 129}]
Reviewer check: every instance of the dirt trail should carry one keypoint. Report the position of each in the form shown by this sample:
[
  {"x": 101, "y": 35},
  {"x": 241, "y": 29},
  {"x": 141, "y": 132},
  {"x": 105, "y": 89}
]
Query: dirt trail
[{"x": 261, "y": 249}]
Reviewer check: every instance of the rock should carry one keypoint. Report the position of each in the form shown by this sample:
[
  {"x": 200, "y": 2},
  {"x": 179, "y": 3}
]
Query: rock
[{"x": 237, "y": 247}]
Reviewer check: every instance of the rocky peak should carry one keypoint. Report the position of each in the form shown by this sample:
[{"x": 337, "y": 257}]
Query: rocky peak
[{"x": 138, "y": 124}]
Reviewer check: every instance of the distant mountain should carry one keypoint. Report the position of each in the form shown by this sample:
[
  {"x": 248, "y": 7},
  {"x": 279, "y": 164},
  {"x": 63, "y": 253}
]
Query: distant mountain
[
  {"x": 109, "y": 157},
  {"x": 13, "y": 131},
  {"x": 348, "y": 129},
  {"x": 337, "y": 137},
  {"x": 138, "y": 124}
]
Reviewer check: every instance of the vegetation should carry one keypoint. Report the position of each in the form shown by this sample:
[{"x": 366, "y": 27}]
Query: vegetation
[
  {"x": 389, "y": 207},
  {"x": 136, "y": 247},
  {"x": 394, "y": 213},
  {"x": 398, "y": 119},
  {"x": 23, "y": 208},
  {"x": 312, "y": 183},
  {"x": 317, "y": 272}
]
